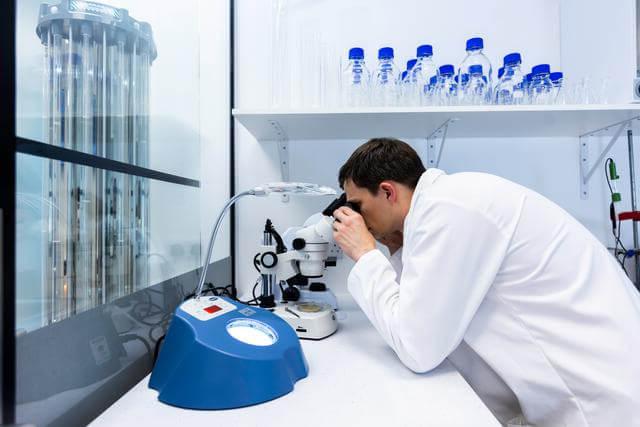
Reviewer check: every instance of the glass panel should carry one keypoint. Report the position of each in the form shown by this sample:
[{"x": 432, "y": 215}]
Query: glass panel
[
  {"x": 86, "y": 237},
  {"x": 96, "y": 77}
]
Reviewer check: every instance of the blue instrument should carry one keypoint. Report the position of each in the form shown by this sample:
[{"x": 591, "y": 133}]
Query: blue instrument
[{"x": 221, "y": 354}]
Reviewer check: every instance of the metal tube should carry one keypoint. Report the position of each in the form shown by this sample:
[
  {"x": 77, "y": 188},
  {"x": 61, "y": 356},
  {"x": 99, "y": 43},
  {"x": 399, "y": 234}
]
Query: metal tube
[
  {"x": 212, "y": 238},
  {"x": 267, "y": 279},
  {"x": 632, "y": 178}
]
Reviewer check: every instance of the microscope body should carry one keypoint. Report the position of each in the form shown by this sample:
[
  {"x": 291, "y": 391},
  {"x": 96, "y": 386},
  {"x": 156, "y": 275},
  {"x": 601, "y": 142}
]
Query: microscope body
[{"x": 310, "y": 312}]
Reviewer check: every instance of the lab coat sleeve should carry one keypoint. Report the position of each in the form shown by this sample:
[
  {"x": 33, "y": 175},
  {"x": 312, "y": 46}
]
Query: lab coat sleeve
[{"x": 451, "y": 259}]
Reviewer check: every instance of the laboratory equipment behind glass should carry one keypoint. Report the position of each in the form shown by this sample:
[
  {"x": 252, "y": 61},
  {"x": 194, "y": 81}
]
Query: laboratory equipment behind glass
[{"x": 97, "y": 61}]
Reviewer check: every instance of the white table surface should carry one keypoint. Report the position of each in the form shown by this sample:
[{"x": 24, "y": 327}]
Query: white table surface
[{"x": 354, "y": 379}]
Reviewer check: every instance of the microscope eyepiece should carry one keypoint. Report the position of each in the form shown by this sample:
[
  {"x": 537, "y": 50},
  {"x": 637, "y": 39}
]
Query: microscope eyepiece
[{"x": 338, "y": 203}]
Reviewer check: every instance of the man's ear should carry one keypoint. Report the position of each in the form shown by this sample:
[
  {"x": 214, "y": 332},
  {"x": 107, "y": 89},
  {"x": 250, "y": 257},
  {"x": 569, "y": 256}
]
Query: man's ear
[{"x": 389, "y": 191}]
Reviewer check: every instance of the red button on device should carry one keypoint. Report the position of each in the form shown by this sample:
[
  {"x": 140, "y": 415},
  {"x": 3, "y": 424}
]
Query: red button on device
[{"x": 212, "y": 309}]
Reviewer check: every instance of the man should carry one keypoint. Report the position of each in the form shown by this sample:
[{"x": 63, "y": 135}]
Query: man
[{"x": 526, "y": 302}]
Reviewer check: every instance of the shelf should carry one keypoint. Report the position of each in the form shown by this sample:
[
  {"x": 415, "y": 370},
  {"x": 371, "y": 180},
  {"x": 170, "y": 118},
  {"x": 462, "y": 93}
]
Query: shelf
[{"x": 481, "y": 121}]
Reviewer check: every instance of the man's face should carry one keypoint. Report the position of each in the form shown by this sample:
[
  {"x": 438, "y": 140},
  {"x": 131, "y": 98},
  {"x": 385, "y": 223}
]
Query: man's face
[{"x": 376, "y": 210}]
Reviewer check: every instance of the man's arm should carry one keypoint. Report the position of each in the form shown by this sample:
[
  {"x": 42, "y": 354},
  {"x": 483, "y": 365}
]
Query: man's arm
[{"x": 452, "y": 258}]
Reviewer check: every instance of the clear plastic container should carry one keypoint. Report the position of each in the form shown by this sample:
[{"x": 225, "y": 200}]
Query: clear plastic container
[
  {"x": 541, "y": 86},
  {"x": 476, "y": 91},
  {"x": 423, "y": 72},
  {"x": 384, "y": 85},
  {"x": 511, "y": 86},
  {"x": 475, "y": 56},
  {"x": 557, "y": 95},
  {"x": 446, "y": 90},
  {"x": 527, "y": 88},
  {"x": 410, "y": 95},
  {"x": 356, "y": 80}
]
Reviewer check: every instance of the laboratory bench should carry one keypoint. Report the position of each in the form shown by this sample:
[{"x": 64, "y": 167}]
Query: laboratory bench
[{"x": 354, "y": 379}]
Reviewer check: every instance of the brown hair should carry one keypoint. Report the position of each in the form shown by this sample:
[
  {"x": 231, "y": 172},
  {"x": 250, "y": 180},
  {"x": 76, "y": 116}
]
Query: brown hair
[{"x": 382, "y": 159}]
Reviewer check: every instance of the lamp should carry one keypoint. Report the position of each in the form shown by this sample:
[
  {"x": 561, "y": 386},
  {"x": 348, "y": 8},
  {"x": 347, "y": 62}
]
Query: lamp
[
  {"x": 297, "y": 188},
  {"x": 221, "y": 354}
]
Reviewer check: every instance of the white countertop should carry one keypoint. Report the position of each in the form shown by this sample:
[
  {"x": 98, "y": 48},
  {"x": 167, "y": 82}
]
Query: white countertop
[{"x": 354, "y": 379}]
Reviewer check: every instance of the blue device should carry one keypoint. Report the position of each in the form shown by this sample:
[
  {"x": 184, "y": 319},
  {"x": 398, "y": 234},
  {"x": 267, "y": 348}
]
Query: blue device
[{"x": 221, "y": 354}]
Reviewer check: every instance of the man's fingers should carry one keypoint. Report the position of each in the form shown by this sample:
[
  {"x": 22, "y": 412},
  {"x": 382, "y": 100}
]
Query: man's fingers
[
  {"x": 337, "y": 226},
  {"x": 339, "y": 215},
  {"x": 346, "y": 210}
]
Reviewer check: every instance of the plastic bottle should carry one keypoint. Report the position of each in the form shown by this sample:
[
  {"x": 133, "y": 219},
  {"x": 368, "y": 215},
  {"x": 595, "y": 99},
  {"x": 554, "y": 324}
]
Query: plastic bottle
[
  {"x": 424, "y": 70},
  {"x": 511, "y": 87},
  {"x": 476, "y": 91},
  {"x": 475, "y": 56},
  {"x": 557, "y": 93},
  {"x": 527, "y": 88},
  {"x": 356, "y": 80},
  {"x": 428, "y": 96},
  {"x": 446, "y": 91},
  {"x": 384, "y": 89},
  {"x": 410, "y": 94},
  {"x": 541, "y": 86}
]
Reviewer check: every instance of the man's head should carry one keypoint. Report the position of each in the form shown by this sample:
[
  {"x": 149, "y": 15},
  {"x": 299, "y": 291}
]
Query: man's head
[{"x": 379, "y": 178}]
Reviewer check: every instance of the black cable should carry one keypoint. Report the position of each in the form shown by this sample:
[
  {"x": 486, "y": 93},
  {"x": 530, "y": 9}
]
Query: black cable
[{"x": 615, "y": 222}]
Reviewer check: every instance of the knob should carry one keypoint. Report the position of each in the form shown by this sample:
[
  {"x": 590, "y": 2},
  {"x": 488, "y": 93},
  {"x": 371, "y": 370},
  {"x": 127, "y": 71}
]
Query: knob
[
  {"x": 269, "y": 259},
  {"x": 299, "y": 244}
]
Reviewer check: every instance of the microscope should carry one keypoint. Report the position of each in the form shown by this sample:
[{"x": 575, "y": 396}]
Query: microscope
[{"x": 311, "y": 311}]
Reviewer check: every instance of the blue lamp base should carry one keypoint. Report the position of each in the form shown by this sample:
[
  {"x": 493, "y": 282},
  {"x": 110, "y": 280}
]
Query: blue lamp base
[{"x": 221, "y": 354}]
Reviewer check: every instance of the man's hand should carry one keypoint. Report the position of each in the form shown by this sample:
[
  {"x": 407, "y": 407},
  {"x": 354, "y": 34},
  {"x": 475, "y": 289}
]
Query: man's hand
[
  {"x": 351, "y": 233},
  {"x": 392, "y": 241}
]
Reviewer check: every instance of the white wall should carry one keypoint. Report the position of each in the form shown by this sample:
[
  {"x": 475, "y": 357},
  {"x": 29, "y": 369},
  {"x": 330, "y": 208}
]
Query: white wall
[
  {"x": 549, "y": 166},
  {"x": 213, "y": 24}
]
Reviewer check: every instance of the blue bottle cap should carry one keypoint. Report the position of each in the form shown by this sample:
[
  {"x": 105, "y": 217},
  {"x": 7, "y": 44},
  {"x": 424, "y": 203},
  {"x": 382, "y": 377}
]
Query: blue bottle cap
[
  {"x": 528, "y": 77},
  {"x": 555, "y": 76},
  {"x": 385, "y": 53},
  {"x": 433, "y": 80},
  {"x": 475, "y": 69},
  {"x": 356, "y": 53},
  {"x": 411, "y": 63},
  {"x": 403, "y": 75},
  {"x": 475, "y": 43},
  {"x": 424, "y": 50},
  {"x": 512, "y": 59},
  {"x": 456, "y": 79},
  {"x": 446, "y": 70},
  {"x": 541, "y": 69},
  {"x": 500, "y": 72}
]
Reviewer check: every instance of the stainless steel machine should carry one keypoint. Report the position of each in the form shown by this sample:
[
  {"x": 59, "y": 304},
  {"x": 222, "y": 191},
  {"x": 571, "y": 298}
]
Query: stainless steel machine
[{"x": 96, "y": 90}]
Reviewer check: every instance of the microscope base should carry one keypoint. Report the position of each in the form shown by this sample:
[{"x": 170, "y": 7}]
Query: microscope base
[{"x": 310, "y": 320}]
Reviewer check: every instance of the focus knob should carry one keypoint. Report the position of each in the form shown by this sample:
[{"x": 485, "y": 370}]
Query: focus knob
[
  {"x": 269, "y": 259},
  {"x": 299, "y": 244}
]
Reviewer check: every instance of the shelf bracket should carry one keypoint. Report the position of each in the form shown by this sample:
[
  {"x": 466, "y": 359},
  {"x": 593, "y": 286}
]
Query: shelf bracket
[
  {"x": 587, "y": 171},
  {"x": 283, "y": 153},
  {"x": 435, "y": 143}
]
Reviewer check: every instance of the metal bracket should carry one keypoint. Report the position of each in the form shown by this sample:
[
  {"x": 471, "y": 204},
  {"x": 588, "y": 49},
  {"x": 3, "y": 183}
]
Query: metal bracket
[
  {"x": 435, "y": 145},
  {"x": 283, "y": 152},
  {"x": 586, "y": 171}
]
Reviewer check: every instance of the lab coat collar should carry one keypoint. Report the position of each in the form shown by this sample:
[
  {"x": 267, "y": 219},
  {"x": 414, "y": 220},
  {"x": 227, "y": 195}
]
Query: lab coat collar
[{"x": 427, "y": 179}]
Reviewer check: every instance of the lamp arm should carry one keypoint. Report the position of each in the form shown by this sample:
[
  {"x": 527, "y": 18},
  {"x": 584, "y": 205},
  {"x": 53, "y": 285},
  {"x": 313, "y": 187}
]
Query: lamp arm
[{"x": 212, "y": 237}]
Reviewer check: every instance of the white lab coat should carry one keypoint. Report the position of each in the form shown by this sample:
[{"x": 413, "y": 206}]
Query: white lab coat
[{"x": 534, "y": 306}]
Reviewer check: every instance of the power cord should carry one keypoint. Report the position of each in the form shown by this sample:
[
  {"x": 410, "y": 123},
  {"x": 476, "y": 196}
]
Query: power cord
[{"x": 615, "y": 222}]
